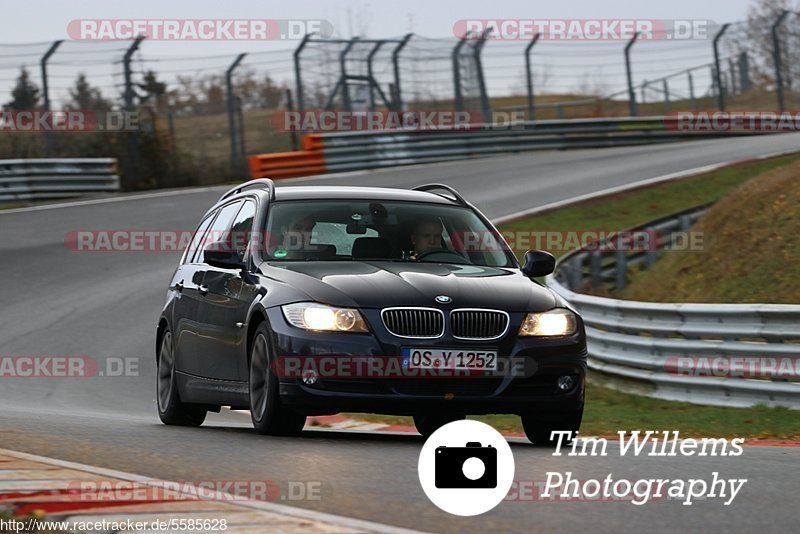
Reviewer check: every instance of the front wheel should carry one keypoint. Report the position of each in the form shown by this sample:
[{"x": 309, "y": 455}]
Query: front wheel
[
  {"x": 428, "y": 424},
  {"x": 540, "y": 432},
  {"x": 171, "y": 409},
  {"x": 268, "y": 414}
]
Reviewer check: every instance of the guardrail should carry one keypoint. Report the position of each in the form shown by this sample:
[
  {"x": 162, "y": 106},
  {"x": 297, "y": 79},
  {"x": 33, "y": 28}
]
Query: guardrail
[
  {"x": 639, "y": 345},
  {"x": 46, "y": 179},
  {"x": 360, "y": 150}
]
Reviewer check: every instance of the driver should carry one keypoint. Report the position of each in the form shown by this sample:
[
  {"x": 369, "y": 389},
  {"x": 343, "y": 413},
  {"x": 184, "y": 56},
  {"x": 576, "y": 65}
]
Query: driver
[
  {"x": 426, "y": 236},
  {"x": 296, "y": 240}
]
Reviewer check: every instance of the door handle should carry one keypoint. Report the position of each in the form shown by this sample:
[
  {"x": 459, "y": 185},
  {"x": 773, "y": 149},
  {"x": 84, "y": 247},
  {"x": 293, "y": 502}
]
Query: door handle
[
  {"x": 203, "y": 290},
  {"x": 179, "y": 286}
]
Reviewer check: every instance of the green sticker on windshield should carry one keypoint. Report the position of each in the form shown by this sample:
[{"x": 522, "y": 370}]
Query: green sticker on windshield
[{"x": 280, "y": 253}]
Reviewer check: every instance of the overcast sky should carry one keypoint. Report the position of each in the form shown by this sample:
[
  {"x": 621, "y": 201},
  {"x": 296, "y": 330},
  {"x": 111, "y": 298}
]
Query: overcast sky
[
  {"x": 26, "y": 21},
  {"x": 40, "y": 20}
]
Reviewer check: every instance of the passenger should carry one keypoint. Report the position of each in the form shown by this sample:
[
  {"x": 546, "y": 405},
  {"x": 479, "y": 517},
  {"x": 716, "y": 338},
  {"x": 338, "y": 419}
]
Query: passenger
[{"x": 296, "y": 239}]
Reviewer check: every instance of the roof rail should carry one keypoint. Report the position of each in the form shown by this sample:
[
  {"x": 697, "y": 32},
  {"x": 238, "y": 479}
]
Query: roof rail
[
  {"x": 430, "y": 187},
  {"x": 265, "y": 182}
]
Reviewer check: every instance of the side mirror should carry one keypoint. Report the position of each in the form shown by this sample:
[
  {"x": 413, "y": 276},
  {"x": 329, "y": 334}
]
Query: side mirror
[
  {"x": 220, "y": 255},
  {"x": 538, "y": 263}
]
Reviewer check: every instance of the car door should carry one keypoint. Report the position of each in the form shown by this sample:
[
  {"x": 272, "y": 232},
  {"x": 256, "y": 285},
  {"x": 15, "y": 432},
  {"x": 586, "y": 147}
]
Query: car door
[
  {"x": 219, "y": 305},
  {"x": 185, "y": 283}
]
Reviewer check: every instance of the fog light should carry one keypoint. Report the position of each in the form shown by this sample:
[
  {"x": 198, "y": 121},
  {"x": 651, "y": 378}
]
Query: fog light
[
  {"x": 310, "y": 378},
  {"x": 565, "y": 383}
]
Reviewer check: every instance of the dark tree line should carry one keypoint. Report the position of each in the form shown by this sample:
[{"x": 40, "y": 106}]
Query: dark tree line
[{"x": 192, "y": 96}]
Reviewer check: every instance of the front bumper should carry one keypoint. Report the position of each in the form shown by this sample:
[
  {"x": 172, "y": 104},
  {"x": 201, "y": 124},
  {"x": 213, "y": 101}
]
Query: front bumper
[{"x": 527, "y": 386}]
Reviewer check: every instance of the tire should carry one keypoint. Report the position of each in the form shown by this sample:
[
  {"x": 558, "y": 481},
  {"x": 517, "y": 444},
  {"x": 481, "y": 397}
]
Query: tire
[
  {"x": 171, "y": 409},
  {"x": 269, "y": 415},
  {"x": 539, "y": 431},
  {"x": 428, "y": 424}
]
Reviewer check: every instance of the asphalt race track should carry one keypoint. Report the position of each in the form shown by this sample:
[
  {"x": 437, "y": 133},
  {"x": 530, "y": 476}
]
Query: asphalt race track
[{"x": 104, "y": 305}]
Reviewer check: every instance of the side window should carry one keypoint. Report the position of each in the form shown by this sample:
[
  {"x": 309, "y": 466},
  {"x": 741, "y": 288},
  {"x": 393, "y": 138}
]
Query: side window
[
  {"x": 241, "y": 231},
  {"x": 218, "y": 229},
  {"x": 191, "y": 250}
]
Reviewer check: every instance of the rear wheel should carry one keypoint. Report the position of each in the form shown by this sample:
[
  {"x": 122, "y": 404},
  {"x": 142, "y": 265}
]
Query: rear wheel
[
  {"x": 268, "y": 414},
  {"x": 428, "y": 424},
  {"x": 171, "y": 409},
  {"x": 540, "y": 432}
]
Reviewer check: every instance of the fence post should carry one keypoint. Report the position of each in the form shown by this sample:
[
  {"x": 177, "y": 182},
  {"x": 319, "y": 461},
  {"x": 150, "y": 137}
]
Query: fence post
[
  {"x": 631, "y": 93},
  {"x": 744, "y": 72},
  {"x": 732, "y": 69},
  {"x": 459, "y": 99},
  {"x": 691, "y": 90},
  {"x": 240, "y": 115},
  {"x": 667, "y": 105},
  {"x": 297, "y": 72},
  {"x": 370, "y": 73},
  {"x": 645, "y": 83},
  {"x": 132, "y": 172},
  {"x": 529, "y": 77},
  {"x": 343, "y": 66},
  {"x": 126, "y": 62},
  {"x": 476, "y": 51},
  {"x": 171, "y": 124},
  {"x": 718, "y": 72},
  {"x": 713, "y": 81},
  {"x": 48, "y": 135},
  {"x": 776, "y": 56},
  {"x": 232, "y": 110},
  {"x": 397, "y": 98},
  {"x": 290, "y": 109}
]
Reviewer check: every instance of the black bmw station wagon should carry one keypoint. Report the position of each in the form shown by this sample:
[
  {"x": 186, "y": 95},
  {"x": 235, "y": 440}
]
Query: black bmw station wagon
[{"x": 297, "y": 301}]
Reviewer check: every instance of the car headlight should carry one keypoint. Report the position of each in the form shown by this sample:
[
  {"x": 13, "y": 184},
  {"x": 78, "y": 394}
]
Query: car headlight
[
  {"x": 313, "y": 316},
  {"x": 558, "y": 322}
]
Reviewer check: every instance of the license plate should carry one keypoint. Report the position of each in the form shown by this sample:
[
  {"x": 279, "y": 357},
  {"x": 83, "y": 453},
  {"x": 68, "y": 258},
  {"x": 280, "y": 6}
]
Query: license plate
[{"x": 456, "y": 359}]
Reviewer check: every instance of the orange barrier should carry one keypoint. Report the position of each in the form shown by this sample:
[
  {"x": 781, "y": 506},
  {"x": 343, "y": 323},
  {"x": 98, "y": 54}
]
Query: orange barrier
[
  {"x": 312, "y": 142},
  {"x": 287, "y": 164}
]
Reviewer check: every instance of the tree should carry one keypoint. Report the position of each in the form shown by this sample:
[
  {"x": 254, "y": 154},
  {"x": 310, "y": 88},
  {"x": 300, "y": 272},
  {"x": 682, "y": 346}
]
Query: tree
[
  {"x": 271, "y": 94},
  {"x": 85, "y": 97},
  {"x": 25, "y": 94},
  {"x": 760, "y": 18},
  {"x": 153, "y": 89},
  {"x": 213, "y": 90}
]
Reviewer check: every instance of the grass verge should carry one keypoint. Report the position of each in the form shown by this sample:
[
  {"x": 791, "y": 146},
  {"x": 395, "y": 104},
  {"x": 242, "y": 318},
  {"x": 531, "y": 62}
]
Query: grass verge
[
  {"x": 751, "y": 241},
  {"x": 637, "y": 206}
]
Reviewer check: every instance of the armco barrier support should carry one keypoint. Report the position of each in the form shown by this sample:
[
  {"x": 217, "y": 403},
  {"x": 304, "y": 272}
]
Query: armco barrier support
[{"x": 46, "y": 179}]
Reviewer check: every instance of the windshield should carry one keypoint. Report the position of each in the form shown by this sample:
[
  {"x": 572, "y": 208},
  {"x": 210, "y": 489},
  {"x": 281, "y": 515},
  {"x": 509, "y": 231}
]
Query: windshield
[{"x": 348, "y": 230}]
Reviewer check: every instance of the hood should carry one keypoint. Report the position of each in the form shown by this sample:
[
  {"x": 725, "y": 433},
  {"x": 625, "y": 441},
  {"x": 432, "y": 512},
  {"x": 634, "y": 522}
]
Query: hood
[{"x": 382, "y": 284}]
